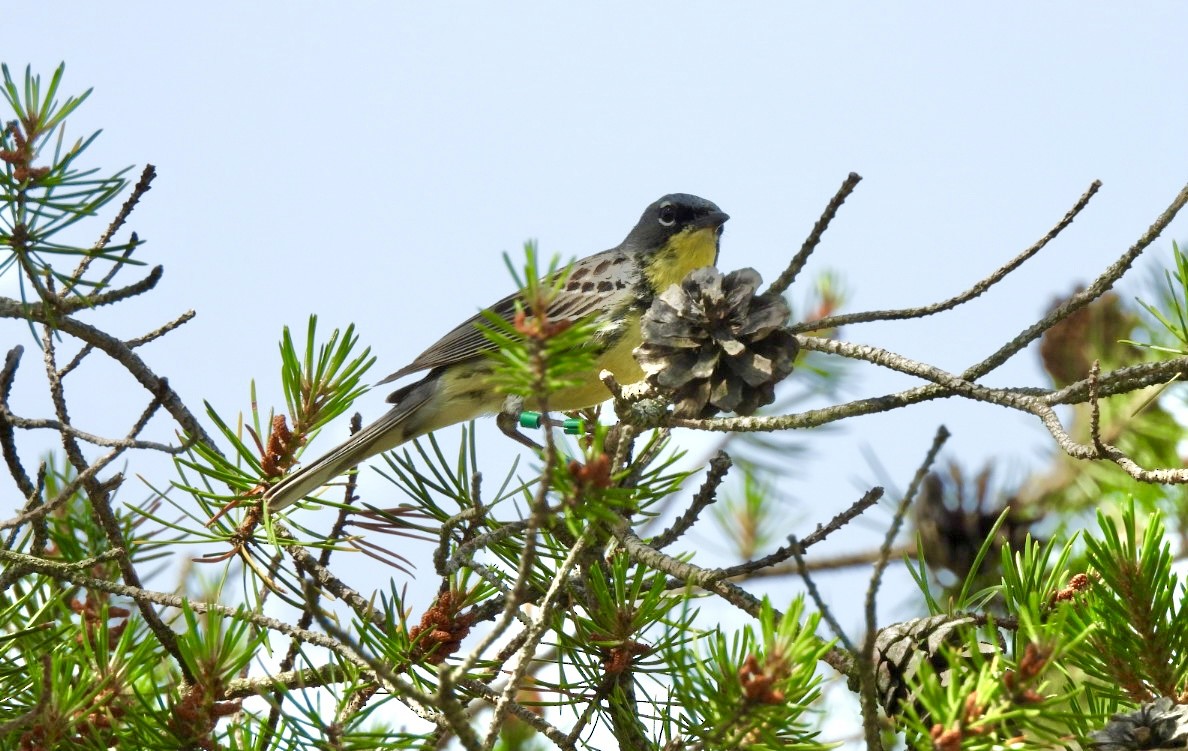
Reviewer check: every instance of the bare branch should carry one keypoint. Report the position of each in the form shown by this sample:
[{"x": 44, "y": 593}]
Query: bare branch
[
  {"x": 785, "y": 279},
  {"x": 943, "y": 384},
  {"x": 719, "y": 464},
  {"x": 96, "y": 440},
  {"x": 815, "y": 594},
  {"x": 1095, "y": 290},
  {"x": 834, "y": 562},
  {"x": 979, "y": 288},
  {"x": 707, "y": 579},
  {"x": 1120, "y": 381},
  {"x": 798, "y": 547},
  {"x": 7, "y": 436},
  {"x": 866, "y": 670},
  {"x": 142, "y": 186},
  {"x": 118, "y": 351},
  {"x": 65, "y": 572},
  {"x": 161, "y": 331},
  {"x": 86, "y": 302}
]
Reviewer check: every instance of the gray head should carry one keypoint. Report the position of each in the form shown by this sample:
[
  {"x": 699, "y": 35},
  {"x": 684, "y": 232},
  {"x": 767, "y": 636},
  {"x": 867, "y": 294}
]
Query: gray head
[{"x": 671, "y": 215}]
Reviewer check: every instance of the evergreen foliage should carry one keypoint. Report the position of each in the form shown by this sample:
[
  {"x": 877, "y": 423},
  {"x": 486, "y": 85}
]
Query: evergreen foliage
[{"x": 566, "y": 615}]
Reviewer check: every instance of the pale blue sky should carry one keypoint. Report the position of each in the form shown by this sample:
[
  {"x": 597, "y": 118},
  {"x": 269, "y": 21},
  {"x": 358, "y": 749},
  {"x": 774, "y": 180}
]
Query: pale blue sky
[{"x": 371, "y": 162}]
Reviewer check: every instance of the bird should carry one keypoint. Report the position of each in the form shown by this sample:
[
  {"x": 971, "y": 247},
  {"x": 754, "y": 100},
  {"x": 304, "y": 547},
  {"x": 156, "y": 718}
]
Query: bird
[{"x": 676, "y": 234}]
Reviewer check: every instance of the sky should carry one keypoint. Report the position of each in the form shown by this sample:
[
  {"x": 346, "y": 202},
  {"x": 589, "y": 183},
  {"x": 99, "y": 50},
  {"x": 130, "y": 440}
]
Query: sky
[{"x": 371, "y": 164}]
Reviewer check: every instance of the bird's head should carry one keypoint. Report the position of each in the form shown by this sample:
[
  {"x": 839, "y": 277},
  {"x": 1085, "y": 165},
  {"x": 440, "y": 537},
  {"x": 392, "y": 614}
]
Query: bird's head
[{"x": 677, "y": 233}]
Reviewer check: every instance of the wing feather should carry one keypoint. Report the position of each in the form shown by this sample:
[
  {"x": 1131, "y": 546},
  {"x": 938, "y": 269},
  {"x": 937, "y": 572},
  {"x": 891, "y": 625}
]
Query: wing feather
[{"x": 599, "y": 282}]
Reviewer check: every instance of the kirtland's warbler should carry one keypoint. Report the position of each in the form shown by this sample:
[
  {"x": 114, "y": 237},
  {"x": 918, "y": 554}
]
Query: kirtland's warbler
[{"x": 675, "y": 235}]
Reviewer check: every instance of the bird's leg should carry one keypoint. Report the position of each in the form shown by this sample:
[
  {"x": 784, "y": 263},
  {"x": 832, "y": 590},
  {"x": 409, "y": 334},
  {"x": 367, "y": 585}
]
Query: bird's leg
[{"x": 508, "y": 421}]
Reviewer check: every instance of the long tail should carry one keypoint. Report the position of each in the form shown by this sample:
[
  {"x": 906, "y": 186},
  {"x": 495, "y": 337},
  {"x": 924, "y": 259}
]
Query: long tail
[{"x": 386, "y": 433}]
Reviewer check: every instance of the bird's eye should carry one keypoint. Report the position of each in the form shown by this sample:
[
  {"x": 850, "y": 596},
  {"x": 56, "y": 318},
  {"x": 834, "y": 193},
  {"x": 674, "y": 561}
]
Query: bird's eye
[{"x": 668, "y": 215}]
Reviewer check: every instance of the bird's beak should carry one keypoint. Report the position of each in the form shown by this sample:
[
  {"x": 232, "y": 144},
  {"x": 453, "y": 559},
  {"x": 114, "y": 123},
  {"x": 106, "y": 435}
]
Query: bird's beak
[{"x": 712, "y": 219}]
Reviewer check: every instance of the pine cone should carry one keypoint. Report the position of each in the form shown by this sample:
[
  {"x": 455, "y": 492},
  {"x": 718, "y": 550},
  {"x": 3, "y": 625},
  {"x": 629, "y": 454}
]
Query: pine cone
[
  {"x": 1094, "y": 332},
  {"x": 901, "y": 648},
  {"x": 954, "y": 515},
  {"x": 1157, "y": 724},
  {"x": 716, "y": 345}
]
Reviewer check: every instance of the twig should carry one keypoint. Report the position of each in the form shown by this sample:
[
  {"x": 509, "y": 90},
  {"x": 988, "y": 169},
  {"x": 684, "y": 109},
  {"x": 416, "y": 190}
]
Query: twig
[
  {"x": 856, "y": 509},
  {"x": 523, "y": 713},
  {"x": 539, "y": 514},
  {"x": 815, "y": 594},
  {"x": 866, "y": 671},
  {"x": 707, "y": 579},
  {"x": 1095, "y": 408},
  {"x": 346, "y": 646},
  {"x": 331, "y": 583},
  {"x": 118, "y": 351},
  {"x": 798, "y": 547},
  {"x": 785, "y": 279},
  {"x": 325, "y": 675},
  {"x": 534, "y": 633},
  {"x": 129, "y": 249},
  {"x": 23, "y": 423},
  {"x": 598, "y": 700},
  {"x": 471, "y": 541},
  {"x": 456, "y": 717},
  {"x": 833, "y": 562},
  {"x": 944, "y": 384},
  {"x": 99, "y": 495},
  {"x": 65, "y": 494},
  {"x": 979, "y": 288},
  {"x": 1120, "y": 381},
  {"x": 463, "y": 556},
  {"x": 1095, "y": 290},
  {"x": 338, "y": 531},
  {"x": 311, "y": 601},
  {"x": 75, "y": 361},
  {"x": 74, "y": 304},
  {"x": 142, "y": 186},
  {"x": 161, "y": 331},
  {"x": 719, "y": 464},
  {"x": 7, "y": 436},
  {"x": 64, "y": 572}
]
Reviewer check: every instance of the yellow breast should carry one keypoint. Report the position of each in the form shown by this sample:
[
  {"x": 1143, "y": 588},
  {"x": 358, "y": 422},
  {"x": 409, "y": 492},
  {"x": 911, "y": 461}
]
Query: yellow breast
[
  {"x": 618, "y": 360},
  {"x": 683, "y": 253}
]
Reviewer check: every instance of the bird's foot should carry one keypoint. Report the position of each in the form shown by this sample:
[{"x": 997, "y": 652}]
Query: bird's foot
[{"x": 508, "y": 421}]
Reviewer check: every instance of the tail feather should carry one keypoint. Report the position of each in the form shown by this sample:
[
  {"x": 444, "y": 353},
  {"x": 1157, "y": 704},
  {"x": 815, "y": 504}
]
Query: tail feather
[{"x": 391, "y": 430}]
